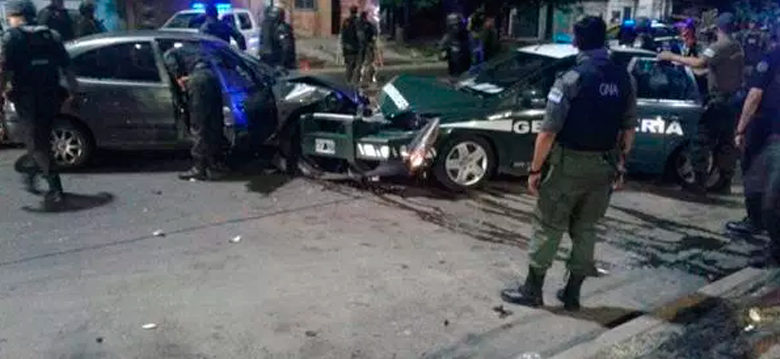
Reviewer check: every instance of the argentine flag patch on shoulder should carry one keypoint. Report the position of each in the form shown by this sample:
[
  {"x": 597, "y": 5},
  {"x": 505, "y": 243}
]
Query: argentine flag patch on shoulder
[
  {"x": 555, "y": 95},
  {"x": 709, "y": 52}
]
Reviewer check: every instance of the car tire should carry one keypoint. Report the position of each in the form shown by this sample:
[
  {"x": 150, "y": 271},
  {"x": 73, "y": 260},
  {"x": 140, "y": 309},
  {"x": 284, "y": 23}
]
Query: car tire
[
  {"x": 680, "y": 170},
  {"x": 457, "y": 174},
  {"x": 72, "y": 144}
]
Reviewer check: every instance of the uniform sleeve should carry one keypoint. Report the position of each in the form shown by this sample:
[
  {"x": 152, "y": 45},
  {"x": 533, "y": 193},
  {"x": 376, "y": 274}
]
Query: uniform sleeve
[
  {"x": 629, "y": 119},
  {"x": 764, "y": 74},
  {"x": 559, "y": 100},
  {"x": 62, "y": 55},
  {"x": 712, "y": 54}
]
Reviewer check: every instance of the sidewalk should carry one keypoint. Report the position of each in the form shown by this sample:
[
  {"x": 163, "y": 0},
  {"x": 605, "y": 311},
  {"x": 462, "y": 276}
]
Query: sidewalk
[
  {"x": 736, "y": 317},
  {"x": 325, "y": 52}
]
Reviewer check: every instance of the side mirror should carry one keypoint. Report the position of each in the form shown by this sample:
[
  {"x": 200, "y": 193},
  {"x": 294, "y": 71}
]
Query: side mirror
[{"x": 532, "y": 99}]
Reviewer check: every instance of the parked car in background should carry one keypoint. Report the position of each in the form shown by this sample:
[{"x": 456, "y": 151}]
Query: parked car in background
[
  {"x": 129, "y": 100},
  {"x": 488, "y": 119},
  {"x": 241, "y": 19}
]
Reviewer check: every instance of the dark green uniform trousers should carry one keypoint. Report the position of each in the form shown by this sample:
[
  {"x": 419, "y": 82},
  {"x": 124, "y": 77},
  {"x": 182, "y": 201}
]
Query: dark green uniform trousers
[
  {"x": 206, "y": 118},
  {"x": 573, "y": 197},
  {"x": 716, "y": 135}
]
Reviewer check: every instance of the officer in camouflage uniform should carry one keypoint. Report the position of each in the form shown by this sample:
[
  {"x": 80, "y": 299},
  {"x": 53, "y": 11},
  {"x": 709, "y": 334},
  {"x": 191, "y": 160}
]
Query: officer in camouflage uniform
[
  {"x": 587, "y": 132},
  {"x": 195, "y": 76},
  {"x": 87, "y": 23},
  {"x": 350, "y": 45},
  {"x": 212, "y": 26},
  {"x": 455, "y": 46},
  {"x": 761, "y": 112},
  {"x": 31, "y": 60},
  {"x": 284, "y": 42},
  {"x": 724, "y": 60}
]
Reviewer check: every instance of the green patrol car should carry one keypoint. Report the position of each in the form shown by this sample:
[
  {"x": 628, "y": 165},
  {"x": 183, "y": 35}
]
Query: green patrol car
[{"x": 466, "y": 130}]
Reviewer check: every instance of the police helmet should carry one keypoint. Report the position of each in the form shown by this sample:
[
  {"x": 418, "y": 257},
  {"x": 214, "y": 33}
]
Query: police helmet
[
  {"x": 274, "y": 13},
  {"x": 211, "y": 10},
  {"x": 454, "y": 19},
  {"x": 726, "y": 22},
  {"x": 86, "y": 8},
  {"x": 24, "y": 8},
  {"x": 590, "y": 33}
]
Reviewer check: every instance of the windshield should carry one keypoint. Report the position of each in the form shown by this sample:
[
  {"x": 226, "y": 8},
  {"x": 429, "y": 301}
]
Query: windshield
[
  {"x": 505, "y": 71},
  {"x": 181, "y": 21}
]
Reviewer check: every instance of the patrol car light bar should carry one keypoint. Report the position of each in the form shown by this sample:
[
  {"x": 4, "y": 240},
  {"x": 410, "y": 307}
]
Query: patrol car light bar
[{"x": 221, "y": 7}]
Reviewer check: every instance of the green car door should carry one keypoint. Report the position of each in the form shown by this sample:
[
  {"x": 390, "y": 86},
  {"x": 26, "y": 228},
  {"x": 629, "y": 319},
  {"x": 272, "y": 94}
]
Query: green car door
[{"x": 668, "y": 112}]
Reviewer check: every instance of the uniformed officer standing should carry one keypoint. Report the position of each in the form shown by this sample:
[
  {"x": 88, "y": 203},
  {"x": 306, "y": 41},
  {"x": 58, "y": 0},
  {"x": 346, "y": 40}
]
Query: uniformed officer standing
[
  {"x": 367, "y": 49},
  {"x": 761, "y": 111},
  {"x": 88, "y": 24},
  {"x": 212, "y": 26},
  {"x": 31, "y": 60},
  {"x": 755, "y": 44},
  {"x": 455, "y": 46},
  {"x": 350, "y": 46},
  {"x": 284, "y": 41},
  {"x": 725, "y": 62},
  {"x": 195, "y": 76},
  {"x": 57, "y": 18},
  {"x": 586, "y": 135}
]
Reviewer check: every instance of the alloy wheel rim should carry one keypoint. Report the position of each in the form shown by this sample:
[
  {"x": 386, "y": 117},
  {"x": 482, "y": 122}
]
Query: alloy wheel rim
[
  {"x": 68, "y": 146},
  {"x": 466, "y": 163}
]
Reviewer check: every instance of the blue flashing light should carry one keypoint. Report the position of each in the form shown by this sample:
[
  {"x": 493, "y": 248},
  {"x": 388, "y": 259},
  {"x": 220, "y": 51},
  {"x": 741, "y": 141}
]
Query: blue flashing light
[
  {"x": 629, "y": 23},
  {"x": 221, "y": 7}
]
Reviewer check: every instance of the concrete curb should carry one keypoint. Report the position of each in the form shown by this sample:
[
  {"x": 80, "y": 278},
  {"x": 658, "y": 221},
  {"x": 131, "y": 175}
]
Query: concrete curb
[{"x": 660, "y": 316}]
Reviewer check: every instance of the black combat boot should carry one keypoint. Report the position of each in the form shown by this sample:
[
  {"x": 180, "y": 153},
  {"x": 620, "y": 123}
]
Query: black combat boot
[
  {"x": 744, "y": 227},
  {"x": 570, "y": 295},
  {"x": 528, "y": 294},
  {"x": 55, "y": 196},
  {"x": 197, "y": 172}
]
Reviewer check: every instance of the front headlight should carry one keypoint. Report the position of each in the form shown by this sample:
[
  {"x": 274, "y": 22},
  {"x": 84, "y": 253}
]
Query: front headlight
[
  {"x": 373, "y": 152},
  {"x": 9, "y": 107}
]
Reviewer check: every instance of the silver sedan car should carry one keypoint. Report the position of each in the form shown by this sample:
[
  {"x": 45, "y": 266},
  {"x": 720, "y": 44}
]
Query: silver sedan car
[{"x": 128, "y": 100}]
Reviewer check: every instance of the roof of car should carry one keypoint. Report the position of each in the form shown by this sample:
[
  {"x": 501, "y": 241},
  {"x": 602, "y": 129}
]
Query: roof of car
[
  {"x": 137, "y": 35},
  {"x": 559, "y": 51}
]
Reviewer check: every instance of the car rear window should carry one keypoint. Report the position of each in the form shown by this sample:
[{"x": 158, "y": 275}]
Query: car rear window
[{"x": 181, "y": 21}]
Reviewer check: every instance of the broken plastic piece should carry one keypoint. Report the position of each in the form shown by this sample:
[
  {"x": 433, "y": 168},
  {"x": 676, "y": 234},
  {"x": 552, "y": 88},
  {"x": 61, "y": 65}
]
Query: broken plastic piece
[
  {"x": 158, "y": 233},
  {"x": 749, "y": 328},
  {"x": 149, "y": 326},
  {"x": 235, "y": 239}
]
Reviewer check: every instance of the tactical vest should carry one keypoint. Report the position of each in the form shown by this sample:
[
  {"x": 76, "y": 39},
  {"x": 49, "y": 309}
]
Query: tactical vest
[
  {"x": 38, "y": 66},
  {"x": 350, "y": 41},
  {"x": 216, "y": 29},
  {"x": 596, "y": 113},
  {"x": 752, "y": 47}
]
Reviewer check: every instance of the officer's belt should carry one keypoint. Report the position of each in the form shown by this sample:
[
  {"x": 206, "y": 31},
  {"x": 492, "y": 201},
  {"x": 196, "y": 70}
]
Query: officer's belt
[{"x": 559, "y": 152}]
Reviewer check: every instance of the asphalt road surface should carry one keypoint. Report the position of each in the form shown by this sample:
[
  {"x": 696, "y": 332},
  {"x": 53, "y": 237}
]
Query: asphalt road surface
[{"x": 321, "y": 270}]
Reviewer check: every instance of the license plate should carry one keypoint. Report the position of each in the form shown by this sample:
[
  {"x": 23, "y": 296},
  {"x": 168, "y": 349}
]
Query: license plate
[{"x": 325, "y": 146}]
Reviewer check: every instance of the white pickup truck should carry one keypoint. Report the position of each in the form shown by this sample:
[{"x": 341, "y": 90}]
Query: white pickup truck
[{"x": 242, "y": 19}]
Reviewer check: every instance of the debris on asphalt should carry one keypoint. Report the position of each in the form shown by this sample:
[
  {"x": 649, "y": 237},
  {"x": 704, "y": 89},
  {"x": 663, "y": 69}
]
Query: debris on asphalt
[
  {"x": 754, "y": 315},
  {"x": 404, "y": 266},
  {"x": 601, "y": 272},
  {"x": 407, "y": 332},
  {"x": 442, "y": 261},
  {"x": 146, "y": 210},
  {"x": 446, "y": 323},
  {"x": 158, "y": 233},
  {"x": 311, "y": 333},
  {"x": 235, "y": 239},
  {"x": 149, "y": 326},
  {"x": 157, "y": 192},
  {"x": 749, "y": 328},
  {"x": 193, "y": 180},
  {"x": 99, "y": 339},
  {"x": 502, "y": 312}
]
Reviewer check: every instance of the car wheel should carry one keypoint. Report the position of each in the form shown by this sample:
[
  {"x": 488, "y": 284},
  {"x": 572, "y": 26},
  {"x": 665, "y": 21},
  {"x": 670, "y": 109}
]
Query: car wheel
[
  {"x": 72, "y": 144},
  {"x": 464, "y": 163},
  {"x": 681, "y": 170}
]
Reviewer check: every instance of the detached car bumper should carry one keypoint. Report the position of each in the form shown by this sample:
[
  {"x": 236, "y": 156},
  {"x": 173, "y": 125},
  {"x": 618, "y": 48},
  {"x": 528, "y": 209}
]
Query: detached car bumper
[{"x": 356, "y": 147}]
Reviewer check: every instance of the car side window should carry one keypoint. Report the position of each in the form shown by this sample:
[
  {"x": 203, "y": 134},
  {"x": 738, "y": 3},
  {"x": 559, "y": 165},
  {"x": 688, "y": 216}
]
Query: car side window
[
  {"x": 662, "y": 80},
  {"x": 126, "y": 62},
  {"x": 244, "y": 21}
]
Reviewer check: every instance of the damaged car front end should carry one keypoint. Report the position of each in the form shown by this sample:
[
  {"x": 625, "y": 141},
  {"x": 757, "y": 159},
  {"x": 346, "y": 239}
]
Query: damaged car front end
[{"x": 356, "y": 147}]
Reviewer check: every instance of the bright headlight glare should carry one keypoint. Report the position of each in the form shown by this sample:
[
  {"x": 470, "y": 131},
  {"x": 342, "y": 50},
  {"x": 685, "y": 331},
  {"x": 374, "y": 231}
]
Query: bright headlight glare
[{"x": 368, "y": 150}]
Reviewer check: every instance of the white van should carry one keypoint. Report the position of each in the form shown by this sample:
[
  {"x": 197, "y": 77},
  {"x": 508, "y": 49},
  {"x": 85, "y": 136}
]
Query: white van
[{"x": 242, "y": 19}]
